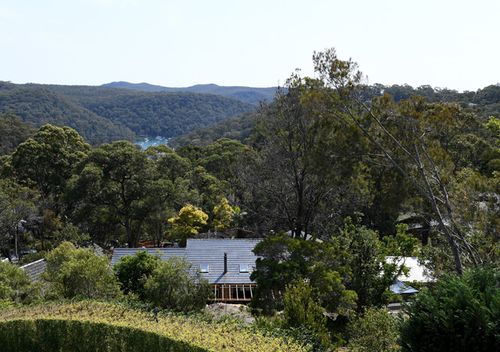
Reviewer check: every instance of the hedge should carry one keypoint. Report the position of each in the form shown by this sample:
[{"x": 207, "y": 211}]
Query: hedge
[
  {"x": 96, "y": 326},
  {"x": 46, "y": 335}
]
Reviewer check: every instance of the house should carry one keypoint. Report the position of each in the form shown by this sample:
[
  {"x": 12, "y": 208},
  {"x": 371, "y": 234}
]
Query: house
[
  {"x": 226, "y": 263},
  {"x": 416, "y": 273},
  {"x": 35, "y": 269}
]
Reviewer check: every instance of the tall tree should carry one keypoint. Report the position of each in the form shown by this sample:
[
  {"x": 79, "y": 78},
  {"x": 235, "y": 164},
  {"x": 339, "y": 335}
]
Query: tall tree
[
  {"x": 48, "y": 159},
  {"x": 412, "y": 136},
  {"x": 114, "y": 183},
  {"x": 307, "y": 162}
]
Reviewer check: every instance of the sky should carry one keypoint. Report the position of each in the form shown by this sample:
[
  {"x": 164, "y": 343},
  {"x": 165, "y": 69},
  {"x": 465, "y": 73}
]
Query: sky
[{"x": 444, "y": 43}]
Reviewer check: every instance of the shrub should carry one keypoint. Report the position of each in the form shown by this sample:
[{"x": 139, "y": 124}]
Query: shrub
[
  {"x": 458, "y": 314},
  {"x": 301, "y": 310},
  {"x": 174, "y": 286},
  {"x": 133, "y": 271},
  {"x": 374, "y": 331},
  {"x": 15, "y": 285},
  {"x": 73, "y": 272}
]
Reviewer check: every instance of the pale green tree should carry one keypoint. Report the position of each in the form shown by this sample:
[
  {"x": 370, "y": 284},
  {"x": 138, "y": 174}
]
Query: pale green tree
[
  {"x": 187, "y": 223},
  {"x": 224, "y": 215}
]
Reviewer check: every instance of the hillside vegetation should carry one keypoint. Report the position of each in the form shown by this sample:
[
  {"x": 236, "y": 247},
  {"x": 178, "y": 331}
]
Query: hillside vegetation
[
  {"x": 484, "y": 102},
  {"x": 39, "y": 105},
  {"x": 248, "y": 95},
  {"x": 93, "y": 326},
  {"x": 103, "y": 114},
  {"x": 238, "y": 128},
  {"x": 12, "y": 132}
]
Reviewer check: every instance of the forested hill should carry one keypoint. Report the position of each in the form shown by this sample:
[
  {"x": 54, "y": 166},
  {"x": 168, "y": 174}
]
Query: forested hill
[
  {"x": 12, "y": 132},
  {"x": 238, "y": 128},
  {"x": 483, "y": 102},
  {"x": 248, "y": 95},
  {"x": 103, "y": 114},
  {"x": 39, "y": 105}
]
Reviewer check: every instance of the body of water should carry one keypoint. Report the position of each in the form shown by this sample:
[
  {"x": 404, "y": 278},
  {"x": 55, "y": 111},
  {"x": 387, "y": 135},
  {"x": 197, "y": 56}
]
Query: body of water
[{"x": 152, "y": 141}]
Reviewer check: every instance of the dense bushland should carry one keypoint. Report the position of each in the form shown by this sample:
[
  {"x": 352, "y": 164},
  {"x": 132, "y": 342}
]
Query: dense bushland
[{"x": 457, "y": 314}]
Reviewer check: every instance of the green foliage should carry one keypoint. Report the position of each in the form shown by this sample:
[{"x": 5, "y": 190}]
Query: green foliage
[
  {"x": 15, "y": 285},
  {"x": 285, "y": 260},
  {"x": 156, "y": 114},
  {"x": 70, "y": 233},
  {"x": 133, "y": 271},
  {"x": 113, "y": 186},
  {"x": 300, "y": 309},
  {"x": 274, "y": 326},
  {"x": 376, "y": 330},
  {"x": 12, "y": 132},
  {"x": 236, "y": 128},
  {"x": 457, "y": 314},
  {"x": 173, "y": 285},
  {"x": 370, "y": 276},
  {"x": 46, "y": 335},
  {"x": 17, "y": 203},
  {"x": 48, "y": 159},
  {"x": 347, "y": 272},
  {"x": 248, "y": 95},
  {"x": 187, "y": 223},
  {"x": 401, "y": 244},
  {"x": 93, "y": 326},
  {"x": 39, "y": 105},
  {"x": 79, "y": 273},
  {"x": 224, "y": 215},
  {"x": 103, "y": 115}
]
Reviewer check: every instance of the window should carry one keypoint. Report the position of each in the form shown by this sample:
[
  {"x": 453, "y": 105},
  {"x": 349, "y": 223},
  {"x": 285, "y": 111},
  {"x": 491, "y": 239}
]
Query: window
[
  {"x": 204, "y": 268},
  {"x": 245, "y": 268}
]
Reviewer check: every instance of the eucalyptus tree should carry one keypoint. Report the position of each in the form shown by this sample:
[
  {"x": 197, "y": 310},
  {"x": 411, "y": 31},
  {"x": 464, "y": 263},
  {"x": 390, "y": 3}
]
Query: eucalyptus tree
[
  {"x": 113, "y": 185},
  {"x": 413, "y": 136},
  {"x": 47, "y": 160},
  {"x": 309, "y": 170}
]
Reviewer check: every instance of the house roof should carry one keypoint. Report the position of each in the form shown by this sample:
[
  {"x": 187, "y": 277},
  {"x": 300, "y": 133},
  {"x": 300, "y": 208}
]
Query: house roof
[
  {"x": 203, "y": 252},
  {"x": 35, "y": 269},
  {"x": 162, "y": 253},
  {"x": 211, "y": 252},
  {"x": 417, "y": 271},
  {"x": 399, "y": 288}
]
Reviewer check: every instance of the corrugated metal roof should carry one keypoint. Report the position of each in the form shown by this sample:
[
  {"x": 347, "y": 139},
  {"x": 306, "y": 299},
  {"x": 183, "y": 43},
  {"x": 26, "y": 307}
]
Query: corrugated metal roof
[
  {"x": 208, "y": 252},
  {"x": 211, "y": 252},
  {"x": 417, "y": 272},
  {"x": 163, "y": 253},
  {"x": 35, "y": 269}
]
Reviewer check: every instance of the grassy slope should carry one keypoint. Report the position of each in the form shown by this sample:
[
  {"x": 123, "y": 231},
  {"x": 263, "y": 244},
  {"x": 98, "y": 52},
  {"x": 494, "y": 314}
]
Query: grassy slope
[{"x": 212, "y": 336}]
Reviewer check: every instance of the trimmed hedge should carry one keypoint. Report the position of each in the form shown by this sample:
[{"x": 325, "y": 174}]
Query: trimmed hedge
[
  {"x": 46, "y": 335},
  {"x": 86, "y": 326}
]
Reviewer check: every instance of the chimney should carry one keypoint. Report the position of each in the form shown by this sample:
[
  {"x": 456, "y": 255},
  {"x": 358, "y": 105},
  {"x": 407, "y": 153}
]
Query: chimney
[{"x": 225, "y": 263}]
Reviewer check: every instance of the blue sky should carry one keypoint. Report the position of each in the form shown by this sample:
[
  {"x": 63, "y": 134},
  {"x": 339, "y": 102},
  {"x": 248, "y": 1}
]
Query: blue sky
[{"x": 444, "y": 43}]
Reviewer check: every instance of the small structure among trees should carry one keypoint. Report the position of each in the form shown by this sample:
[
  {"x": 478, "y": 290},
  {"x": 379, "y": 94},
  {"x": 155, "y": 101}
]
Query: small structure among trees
[{"x": 225, "y": 263}]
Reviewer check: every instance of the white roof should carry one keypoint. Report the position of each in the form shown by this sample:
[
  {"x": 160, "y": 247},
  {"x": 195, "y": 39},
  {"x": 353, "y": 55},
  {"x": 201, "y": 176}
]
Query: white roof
[{"x": 417, "y": 272}]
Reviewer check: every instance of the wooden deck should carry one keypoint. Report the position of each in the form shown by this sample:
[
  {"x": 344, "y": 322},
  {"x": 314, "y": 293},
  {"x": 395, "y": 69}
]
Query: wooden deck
[{"x": 233, "y": 293}]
